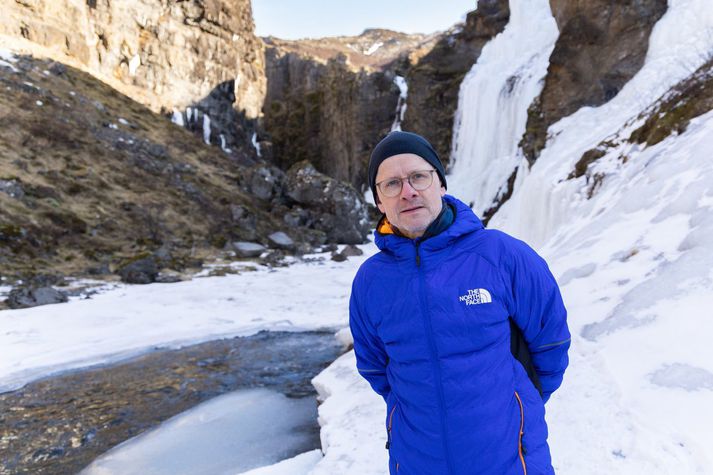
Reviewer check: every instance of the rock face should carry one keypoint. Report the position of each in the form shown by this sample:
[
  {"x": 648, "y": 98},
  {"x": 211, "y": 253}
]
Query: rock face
[
  {"x": 165, "y": 54},
  {"x": 330, "y": 102},
  {"x": 434, "y": 79},
  {"x": 602, "y": 45}
]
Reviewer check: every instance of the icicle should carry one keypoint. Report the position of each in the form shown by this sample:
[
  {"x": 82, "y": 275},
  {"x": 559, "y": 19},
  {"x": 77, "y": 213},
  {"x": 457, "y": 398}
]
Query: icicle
[
  {"x": 223, "y": 144},
  {"x": 256, "y": 144},
  {"x": 177, "y": 118},
  {"x": 206, "y": 129}
]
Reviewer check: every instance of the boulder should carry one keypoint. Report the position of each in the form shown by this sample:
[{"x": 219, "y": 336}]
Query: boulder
[
  {"x": 338, "y": 257},
  {"x": 248, "y": 249},
  {"x": 25, "y": 297},
  {"x": 281, "y": 240},
  {"x": 266, "y": 182},
  {"x": 168, "y": 278},
  {"x": 348, "y": 251},
  {"x": 351, "y": 251},
  {"x": 140, "y": 271},
  {"x": 338, "y": 209}
]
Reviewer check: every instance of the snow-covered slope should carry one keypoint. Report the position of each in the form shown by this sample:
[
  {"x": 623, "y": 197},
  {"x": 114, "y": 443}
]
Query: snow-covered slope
[{"x": 634, "y": 258}]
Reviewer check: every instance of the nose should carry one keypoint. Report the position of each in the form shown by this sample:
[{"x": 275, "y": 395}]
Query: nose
[{"x": 407, "y": 191}]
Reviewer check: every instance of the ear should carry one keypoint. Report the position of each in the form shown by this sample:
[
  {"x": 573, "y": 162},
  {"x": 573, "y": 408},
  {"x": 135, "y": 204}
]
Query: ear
[
  {"x": 381, "y": 207},
  {"x": 443, "y": 190}
]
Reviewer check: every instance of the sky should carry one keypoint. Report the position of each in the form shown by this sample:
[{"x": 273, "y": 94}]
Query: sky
[{"x": 290, "y": 19}]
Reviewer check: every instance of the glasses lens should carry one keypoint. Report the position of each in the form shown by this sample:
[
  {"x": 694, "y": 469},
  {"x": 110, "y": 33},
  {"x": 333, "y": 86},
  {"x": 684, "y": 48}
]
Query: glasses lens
[
  {"x": 421, "y": 180},
  {"x": 391, "y": 187}
]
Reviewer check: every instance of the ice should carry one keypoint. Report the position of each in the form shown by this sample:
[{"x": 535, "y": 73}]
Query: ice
[
  {"x": 301, "y": 464},
  {"x": 206, "y": 129},
  {"x": 229, "y": 434},
  {"x": 256, "y": 144},
  {"x": 223, "y": 145},
  {"x": 401, "y": 105},
  {"x": 177, "y": 118},
  {"x": 493, "y": 102}
]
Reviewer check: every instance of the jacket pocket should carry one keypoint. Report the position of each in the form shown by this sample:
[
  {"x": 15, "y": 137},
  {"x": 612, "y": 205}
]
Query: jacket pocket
[{"x": 520, "y": 448}]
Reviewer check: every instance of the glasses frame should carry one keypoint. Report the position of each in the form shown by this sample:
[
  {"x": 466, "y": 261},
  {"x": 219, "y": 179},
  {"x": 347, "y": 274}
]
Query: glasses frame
[{"x": 401, "y": 181}]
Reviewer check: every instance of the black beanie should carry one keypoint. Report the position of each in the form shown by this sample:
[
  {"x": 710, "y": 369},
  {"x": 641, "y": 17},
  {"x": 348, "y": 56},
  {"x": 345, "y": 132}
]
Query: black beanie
[{"x": 397, "y": 143}]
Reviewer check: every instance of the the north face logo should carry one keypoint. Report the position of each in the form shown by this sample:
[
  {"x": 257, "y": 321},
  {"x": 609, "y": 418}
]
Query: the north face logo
[{"x": 476, "y": 297}]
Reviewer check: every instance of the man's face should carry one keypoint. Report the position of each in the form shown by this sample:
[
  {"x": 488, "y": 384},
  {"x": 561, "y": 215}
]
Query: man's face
[{"x": 411, "y": 211}]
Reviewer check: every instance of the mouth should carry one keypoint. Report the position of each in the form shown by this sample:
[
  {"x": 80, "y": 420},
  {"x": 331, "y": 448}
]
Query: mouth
[{"x": 411, "y": 210}]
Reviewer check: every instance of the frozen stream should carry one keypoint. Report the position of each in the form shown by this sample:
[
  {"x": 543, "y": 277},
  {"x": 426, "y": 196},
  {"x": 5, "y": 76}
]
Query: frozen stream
[{"x": 226, "y": 435}]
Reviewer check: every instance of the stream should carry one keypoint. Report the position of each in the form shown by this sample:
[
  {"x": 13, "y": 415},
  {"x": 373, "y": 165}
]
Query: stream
[{"x": 60, "y": 424}]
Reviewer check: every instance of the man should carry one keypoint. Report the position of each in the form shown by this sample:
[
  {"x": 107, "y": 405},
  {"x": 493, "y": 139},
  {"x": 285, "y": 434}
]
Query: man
[{"x": 432, "y": 316}]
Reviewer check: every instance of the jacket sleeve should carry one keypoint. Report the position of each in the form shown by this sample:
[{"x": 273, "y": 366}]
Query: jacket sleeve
[
  {"x": 539, "y": 312},
  {"x": 370, "y": 354}
]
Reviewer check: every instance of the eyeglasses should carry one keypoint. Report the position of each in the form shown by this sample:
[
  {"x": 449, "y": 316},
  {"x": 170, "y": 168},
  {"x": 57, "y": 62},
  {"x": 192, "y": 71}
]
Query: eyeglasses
[{"x": 419, "y": 181}]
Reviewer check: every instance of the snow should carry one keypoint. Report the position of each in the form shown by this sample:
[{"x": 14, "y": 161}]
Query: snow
[
  {"x": 634, "y": 264},
  {"x": 352, "y": 420},
  {"x": 7, "y": 58},
  {"x": 676, "y": 49},
  {"x": 373, "y": 48},
  {"x": 39, "y": 103},
  {"x": 129, "y": 320},
  {"x": 134, "y": 64},
  {"x": 229, "y": 434},
  {"x": 493, "y": 102}
]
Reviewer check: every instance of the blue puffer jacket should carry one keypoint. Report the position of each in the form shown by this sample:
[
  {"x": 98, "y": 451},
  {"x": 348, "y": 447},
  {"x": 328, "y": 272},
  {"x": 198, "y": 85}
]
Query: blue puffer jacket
[{"x": 432, "y": 336}]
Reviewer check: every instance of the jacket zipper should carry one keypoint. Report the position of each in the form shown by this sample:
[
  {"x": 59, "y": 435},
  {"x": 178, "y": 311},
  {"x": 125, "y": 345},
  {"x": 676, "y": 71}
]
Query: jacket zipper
[
  {"x": 520, "y": 449},
  {"x": 434, "y": 359},
  {"x": 388, "y": 429}
]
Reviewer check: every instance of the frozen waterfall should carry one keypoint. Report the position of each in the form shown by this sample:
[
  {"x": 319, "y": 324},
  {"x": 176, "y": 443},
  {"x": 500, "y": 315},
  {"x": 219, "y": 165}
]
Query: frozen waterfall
[{"x": 493, "y": 102}]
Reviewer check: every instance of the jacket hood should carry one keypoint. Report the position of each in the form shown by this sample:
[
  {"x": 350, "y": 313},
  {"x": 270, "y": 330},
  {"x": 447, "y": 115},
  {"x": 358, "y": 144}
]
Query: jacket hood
[{"x": 402, "y": 247}]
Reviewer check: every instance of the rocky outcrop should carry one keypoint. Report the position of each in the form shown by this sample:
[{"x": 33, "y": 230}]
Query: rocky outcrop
[
  {"x": 329, "y": 206},
  {"x": 602, "y": 45},
  {"x": 91, "y": 181},
  {"x": 669, "y": 115},
  {"x": 165, "y": 54},
  {"x": 330, "y": 102},
  {"x": 434, "y": 79}
]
